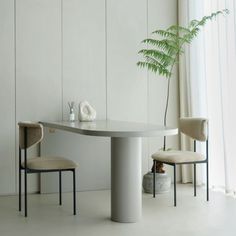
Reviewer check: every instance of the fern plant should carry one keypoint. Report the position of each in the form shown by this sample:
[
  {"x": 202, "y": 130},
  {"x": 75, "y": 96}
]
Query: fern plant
[{"x": 164, "y": 50}]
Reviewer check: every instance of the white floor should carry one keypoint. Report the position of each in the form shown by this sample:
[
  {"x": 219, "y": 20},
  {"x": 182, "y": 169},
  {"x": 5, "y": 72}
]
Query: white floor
[{"x": 192, "y": 216}]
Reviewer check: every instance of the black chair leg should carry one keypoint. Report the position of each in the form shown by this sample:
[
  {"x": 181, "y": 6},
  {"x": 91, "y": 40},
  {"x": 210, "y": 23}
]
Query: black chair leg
[
  {"x": 194, "y": 180},
  {"x": 175, "y": 185},
  {"x": 60, "y": 198},
  {"x": 154, "y": 178},
  {"x": 25, "y": 193},
  {"x": 207, "y": 181},
  {"x": 19, "y": 189},
  {"x": 74, "y": 193},
  {"x": 19, "y": 179}
]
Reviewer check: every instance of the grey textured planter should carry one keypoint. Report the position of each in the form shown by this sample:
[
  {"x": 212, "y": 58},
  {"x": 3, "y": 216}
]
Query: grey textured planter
[{"x": 163, "y": 183}]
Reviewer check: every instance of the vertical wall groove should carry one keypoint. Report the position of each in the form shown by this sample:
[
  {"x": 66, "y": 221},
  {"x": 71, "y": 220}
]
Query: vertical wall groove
[
  {"x": 147, "y": 70},
  {"x": 106, "y": 57},
  {"x": 148, "y": 84},
  {"x": 62, "y": 63},
  {"x": 16, "y": 162}
]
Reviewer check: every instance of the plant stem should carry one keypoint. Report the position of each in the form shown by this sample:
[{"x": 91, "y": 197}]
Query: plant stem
[
  {"x": 166, "y": 109},
  {"x": 167, "y": 99}
]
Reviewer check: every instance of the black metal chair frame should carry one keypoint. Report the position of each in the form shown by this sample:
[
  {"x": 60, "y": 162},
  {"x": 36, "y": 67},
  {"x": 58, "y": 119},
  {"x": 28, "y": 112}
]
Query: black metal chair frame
[
  {"x": 194, "y": 180},
  {"x": 30, "y": 171}
]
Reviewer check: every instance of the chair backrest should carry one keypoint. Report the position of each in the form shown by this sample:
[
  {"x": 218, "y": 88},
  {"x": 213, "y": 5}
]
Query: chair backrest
[
  {"x": 196, "y": 128},
  {"x": 34, "y": 134}
]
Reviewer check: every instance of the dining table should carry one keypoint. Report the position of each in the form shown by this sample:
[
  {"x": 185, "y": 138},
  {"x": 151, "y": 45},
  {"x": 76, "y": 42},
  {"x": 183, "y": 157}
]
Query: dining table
[{"x": 126, "y": 159}]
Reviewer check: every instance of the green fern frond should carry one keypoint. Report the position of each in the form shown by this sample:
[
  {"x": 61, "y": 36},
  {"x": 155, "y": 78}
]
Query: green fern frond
[
  {"x": 202, "y": 22},
  {"x": 166, "y": 34},
  {"x": 178, "y": 29},
  {"x": 188, "y": 38},
  {"x": 157, "y": 61},
  {"x": 193, "y": 23},
  {"x": 162, "y": 68},
  {"x": 167, "y": 45},
  {"x": 161, "y": 56},
  {"x": 154, "y": 66},
  {"x": 150, "y": 66},
  {"x": 225, "y": 11}
]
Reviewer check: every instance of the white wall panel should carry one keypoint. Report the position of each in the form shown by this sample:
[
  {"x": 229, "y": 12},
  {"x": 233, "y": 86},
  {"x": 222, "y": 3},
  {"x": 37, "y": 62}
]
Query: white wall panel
[
  {"x": 38, "y": 62},
  {"x": 7, "y": 98}
]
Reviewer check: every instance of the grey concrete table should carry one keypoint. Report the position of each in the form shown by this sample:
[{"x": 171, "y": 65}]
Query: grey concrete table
[{"x": 126, "y": 150}]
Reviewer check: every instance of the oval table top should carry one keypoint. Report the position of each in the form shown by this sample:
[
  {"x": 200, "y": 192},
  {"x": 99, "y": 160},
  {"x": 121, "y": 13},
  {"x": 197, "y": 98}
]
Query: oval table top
[{"x": 111, "y": 128}]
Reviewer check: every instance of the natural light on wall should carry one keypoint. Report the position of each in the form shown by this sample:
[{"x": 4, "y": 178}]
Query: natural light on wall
[{"x": 208, "y": 84}]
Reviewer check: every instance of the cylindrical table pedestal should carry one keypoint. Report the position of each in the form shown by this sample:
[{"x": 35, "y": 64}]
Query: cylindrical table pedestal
[{"x": 126, "y": 182}]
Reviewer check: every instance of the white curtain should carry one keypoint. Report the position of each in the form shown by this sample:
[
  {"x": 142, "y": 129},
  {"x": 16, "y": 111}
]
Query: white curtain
[{"x": 212, "y": 87}]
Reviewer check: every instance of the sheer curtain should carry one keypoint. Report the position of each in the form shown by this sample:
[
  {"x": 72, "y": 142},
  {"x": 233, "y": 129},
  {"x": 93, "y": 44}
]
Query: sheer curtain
[
  {"x": 210, "y": 75},
  {"x": 220, "y": 54}
]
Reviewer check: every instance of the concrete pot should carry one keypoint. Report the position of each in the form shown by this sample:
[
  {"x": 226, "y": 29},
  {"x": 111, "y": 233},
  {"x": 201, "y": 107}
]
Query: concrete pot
[{"x": 163, "y": 183}]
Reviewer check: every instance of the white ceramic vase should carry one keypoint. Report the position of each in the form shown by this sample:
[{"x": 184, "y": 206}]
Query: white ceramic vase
[{"x": 163, "y": 183}]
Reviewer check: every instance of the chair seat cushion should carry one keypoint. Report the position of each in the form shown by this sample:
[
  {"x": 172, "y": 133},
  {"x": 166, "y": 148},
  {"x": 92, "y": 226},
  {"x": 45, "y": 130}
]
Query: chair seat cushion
[
  {"x": 49, "y": 163},
  {"x": 177, "y": 156}
]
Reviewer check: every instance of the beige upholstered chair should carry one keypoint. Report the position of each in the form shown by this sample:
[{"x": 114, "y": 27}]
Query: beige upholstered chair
[
  {"x": 30, "y": 134},
  {"x": 197, "y": 129}
]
